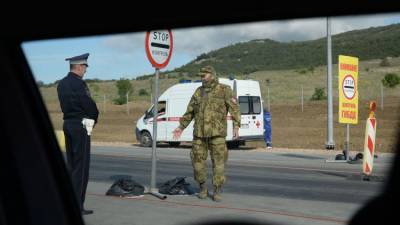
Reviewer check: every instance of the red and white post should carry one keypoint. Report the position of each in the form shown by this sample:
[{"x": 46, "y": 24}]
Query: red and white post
[{"x": 369, "y": 143}]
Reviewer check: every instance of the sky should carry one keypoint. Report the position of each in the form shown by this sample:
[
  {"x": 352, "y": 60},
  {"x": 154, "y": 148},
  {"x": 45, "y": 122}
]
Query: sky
[{"x": 123, "y": 55}]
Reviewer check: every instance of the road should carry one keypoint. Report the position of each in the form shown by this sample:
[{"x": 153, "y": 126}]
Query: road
[{"x": 299, "y": 184}]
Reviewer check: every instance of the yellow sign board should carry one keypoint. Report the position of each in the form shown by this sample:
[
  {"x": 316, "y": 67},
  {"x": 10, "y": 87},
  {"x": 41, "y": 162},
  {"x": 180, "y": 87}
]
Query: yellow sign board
[{"x": 348, "y": 89}]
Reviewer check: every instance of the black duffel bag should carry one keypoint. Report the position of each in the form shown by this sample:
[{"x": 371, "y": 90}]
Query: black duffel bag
[
  {"x": 125, "y": 188},
  {"x": 176, "y": 186}
]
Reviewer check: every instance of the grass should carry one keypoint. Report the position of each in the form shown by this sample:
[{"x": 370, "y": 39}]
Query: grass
[{"x": 291, "y": 128}]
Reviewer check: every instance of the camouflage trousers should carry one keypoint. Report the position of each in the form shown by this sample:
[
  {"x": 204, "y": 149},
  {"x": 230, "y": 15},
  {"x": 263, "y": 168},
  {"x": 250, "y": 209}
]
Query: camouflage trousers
[{"x": 219, "y": 156}]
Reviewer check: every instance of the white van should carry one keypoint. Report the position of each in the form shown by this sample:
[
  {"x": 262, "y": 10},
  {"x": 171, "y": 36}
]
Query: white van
[{"x": 172, "y": 105}]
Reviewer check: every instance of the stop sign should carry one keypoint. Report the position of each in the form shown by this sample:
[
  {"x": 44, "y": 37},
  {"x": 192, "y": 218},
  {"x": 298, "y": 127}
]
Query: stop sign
[{"x": 159, "y": 45}]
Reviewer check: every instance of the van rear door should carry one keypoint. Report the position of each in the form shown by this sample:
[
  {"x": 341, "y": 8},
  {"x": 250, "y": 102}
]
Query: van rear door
[{"x": 251, "y": 116}]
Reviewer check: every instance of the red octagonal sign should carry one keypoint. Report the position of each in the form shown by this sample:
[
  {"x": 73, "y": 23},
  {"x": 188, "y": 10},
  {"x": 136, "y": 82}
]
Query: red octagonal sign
[{"x": 159, "y": 46}]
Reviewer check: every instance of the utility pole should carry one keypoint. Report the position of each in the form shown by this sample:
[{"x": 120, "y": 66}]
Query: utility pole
[{"x": 330, "y": 144}]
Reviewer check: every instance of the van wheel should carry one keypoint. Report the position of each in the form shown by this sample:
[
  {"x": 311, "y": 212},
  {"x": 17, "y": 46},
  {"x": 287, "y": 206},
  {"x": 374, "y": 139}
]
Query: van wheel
[
  {"x": 232, "y": 144},
  {"x": 340, "y": 157},
  {"x": 174, "y": 144},
  {"x": 145, "y": 139}
]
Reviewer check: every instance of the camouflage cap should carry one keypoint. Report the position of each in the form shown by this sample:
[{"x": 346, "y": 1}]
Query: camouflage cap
[{"x": 207, "y": 69}]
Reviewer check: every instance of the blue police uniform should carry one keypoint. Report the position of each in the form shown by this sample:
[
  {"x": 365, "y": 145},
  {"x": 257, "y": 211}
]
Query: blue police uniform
[
  {"x": 76, "y": 104},
  {"x": 267, "y": 128}
]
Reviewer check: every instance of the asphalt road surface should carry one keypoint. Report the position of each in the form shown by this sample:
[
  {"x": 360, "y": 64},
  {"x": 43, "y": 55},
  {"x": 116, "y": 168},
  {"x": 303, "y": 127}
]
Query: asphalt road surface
[{"x": 283, "y": 175}]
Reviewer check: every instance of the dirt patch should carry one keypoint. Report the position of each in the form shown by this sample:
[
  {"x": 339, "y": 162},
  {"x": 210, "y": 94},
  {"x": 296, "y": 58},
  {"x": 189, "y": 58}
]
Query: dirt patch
[{"x": 291, "y": 128}]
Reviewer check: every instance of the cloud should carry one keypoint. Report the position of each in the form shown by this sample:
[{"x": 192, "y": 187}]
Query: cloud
[
  {"x": 348, "y": 23},
  {"x": 195, "y": 41},
  {"x": 125, "y": 42}
]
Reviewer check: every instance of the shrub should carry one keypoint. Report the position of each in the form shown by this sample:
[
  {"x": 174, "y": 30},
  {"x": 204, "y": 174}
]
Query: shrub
[
  {"x": 302, "y": 71},
  {"x": 391, "y": 80},
  {"x": 385, "y": 62},
  {"x": 143, "y": 92},
  {"x": 94, "y": 87},
  {"x": 319, "y": 94}
]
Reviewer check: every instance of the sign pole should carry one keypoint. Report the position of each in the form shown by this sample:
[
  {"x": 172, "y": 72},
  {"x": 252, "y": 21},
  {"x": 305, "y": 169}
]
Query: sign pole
[
  {"x": 158, "y": 45},
  {"x": 346, "y": 150},
  {"x": 154, "y": 145}
]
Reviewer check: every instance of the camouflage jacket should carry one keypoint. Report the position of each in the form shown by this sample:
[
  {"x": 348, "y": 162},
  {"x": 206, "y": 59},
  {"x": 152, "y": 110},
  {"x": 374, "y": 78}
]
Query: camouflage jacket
[{"x": 210, "y": 109}]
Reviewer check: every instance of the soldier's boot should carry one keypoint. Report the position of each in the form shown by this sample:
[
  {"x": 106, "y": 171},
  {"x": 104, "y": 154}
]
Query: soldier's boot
[
  {"x": 203, "y": 191},
  {"x": 217, "y": 194}
]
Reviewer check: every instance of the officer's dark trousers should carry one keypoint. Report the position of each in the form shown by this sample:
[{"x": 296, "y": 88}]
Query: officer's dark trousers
[{"x": 77, "y": 144}]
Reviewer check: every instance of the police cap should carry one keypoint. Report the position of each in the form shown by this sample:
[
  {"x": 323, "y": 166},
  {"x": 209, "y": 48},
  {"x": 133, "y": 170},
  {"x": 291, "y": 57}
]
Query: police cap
[{"x": 80, "y": 59}]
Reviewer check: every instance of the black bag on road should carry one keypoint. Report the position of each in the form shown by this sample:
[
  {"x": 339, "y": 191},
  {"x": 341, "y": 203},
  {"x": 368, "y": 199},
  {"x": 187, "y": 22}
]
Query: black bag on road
[
  {"x": 176, "y": 186},
  {"x": 125, "y": 188}
]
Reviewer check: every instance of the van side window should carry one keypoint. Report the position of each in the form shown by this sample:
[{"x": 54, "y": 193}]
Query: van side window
[{"x": 161, "y": 110}]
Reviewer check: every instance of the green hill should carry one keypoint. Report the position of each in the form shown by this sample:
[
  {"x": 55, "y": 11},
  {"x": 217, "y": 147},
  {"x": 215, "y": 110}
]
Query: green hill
[{"x": 266, "y": 54}]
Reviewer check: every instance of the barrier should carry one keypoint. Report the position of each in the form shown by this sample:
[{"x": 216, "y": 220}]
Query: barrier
[
  {"x": 61, "y": 139},
  {"x": 369, "y": 143}
]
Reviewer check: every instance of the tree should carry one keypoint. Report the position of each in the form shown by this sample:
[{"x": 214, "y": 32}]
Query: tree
[
  {"x": 40, "y": 83},
  {"x": 124, "y": 87}
]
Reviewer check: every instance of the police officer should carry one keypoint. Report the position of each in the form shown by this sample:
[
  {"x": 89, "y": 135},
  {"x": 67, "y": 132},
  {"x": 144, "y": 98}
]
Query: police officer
[
  {"x": 77, "y": 105},
  {"x": 267, "y": 128},
  {"x": 209, "y": 106}
]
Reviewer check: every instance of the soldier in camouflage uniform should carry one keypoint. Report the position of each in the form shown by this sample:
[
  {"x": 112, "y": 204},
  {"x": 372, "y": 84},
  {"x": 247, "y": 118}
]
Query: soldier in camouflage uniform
[{"x": 209, "y": 106}]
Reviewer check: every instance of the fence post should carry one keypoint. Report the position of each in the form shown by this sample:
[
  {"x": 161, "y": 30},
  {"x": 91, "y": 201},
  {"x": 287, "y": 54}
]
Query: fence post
[
  {"x": 302, "y": 99},
  {"x": 127, "y": 102},
  {"x": 381, "y": 96},
  {"x": 104, "y": 103}
]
